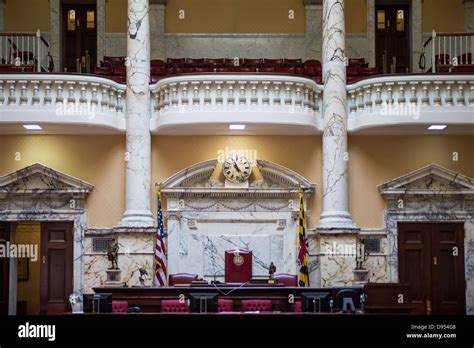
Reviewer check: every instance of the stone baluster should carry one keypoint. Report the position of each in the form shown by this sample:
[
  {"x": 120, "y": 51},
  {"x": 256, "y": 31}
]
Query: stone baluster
[
  {"x": 425, "y": 99},
  {"x": 196, "y": 98},
  {"x": 47, "y": 93},
  {"x": 119, "y": 107},
  {"x": 276, "y": 93},
  {"x": 368, "y": 99},
  {"x": 437, "y": 91},
  {"x": 230, "y": 94},
  {"x": 35, "y": 100},
  {"x": 71, "y": 90},
  {"x": 378, "y": 96},
  {"x": 12, "y": 96},
  {"x": 242, "y": 94},
  {"x": 401, "y": 94},
  {"x": 174, "y": 95},
  {"x": 298, "y": 99},
  {"x": 461, "y": 99},
  {"x": 219, "y": 98},
  {"x": 207, "y": 94},
  {"x": 253, "y": 93},
  {"x": 360, "y": 97},
  {"x": 184, "y": 93},
  {"x": 449, "y": 93},
  {"x": 23, "y": 94},
  {"x": 265, "y": 98},
  {"x": 288, "y": 89},
  {"x": 94, "y": 97},
  {"x": 83, "y": 97},
  {"x": 2, "y": 97},
  {"x": 353, "y": 105}
]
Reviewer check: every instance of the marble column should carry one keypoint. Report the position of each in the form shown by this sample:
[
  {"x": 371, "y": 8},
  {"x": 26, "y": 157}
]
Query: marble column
[
  {"x": 335, "y": 214},
  {"x": 157, "y": 28},
  {"x": 138, "y": 154},
  {"x": 314, "y": 21}
]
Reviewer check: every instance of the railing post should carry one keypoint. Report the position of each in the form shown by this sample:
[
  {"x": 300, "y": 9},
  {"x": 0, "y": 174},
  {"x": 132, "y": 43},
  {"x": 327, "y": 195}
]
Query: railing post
[
  {"x": 38, "y": 47},
  {"x": 433, "y": 53}
]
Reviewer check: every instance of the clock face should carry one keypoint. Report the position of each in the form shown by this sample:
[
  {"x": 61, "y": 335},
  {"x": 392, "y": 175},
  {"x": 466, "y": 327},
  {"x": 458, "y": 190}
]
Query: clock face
[{"x": 236, "y": 168}]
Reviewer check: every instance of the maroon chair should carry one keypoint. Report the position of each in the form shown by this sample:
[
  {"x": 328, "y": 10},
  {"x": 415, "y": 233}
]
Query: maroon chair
[
  {"x": 182, "y": 279},
  {"x": 174, "y": 306},
  {"x": 352, "y": 71},
  {"x": 114, "y": 62},
  {"x": 225, "y": 305},
  {"x": 252, "y": 63},
  {"x": 161, "y": 71},
  {"x": 155, "y": 63},
  {"x": 273, "y": 63},
  {"x": 119, "y": 79},
  {"x": 286, "y": 279},
  {"x": 306, "y": 71},
  {"x": 195, "y": 62},
  {"x": 183, "y": 70},
  {"x": 119, "y": 306},
  {"x": 266, "y": 70},
  {"x": 465, "y": 58},
  {"x": 120, "y": 71},
  {"x": 228, "y": 69},
  {"x": 292, "y": 63},
  {"x": 103, "y": 70},
  {"x": 297, "y": 306},
  {"x": 203, "y": 69},
  {"x": 286, "y": 70},
  {"x": 245, "y": 69},
  {"x": 215, "y": 62},
  {"x": 442, "y": 59},
  {"x": 312, "y": 63},
  {"x": 257, "y": 305},
  {"x": 230, "y": 62},
  {"x": 369, "y": 71},
  {"x": 176, "y": 62},
  {"x": 462, "y": 69},
  {"x": 357, "y": 62}
]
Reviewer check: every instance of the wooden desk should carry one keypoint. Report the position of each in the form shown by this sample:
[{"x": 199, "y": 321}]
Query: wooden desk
[{"x": 149, "y": 299}]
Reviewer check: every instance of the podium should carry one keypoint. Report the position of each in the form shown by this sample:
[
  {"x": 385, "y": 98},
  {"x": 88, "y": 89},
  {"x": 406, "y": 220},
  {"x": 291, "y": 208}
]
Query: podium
[{"x": 238, "y": 266}]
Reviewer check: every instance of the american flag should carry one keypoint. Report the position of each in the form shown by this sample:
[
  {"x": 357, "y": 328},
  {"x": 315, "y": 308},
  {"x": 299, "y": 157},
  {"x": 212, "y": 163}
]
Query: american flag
[{"x": 160, "y": 251}]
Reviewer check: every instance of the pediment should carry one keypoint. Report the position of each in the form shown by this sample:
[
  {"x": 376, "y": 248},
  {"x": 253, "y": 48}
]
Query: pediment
[
  {"x": 199, "y": 179},
  {"x": 38, "y": 178},
  {"x": 431, "y": 179}
]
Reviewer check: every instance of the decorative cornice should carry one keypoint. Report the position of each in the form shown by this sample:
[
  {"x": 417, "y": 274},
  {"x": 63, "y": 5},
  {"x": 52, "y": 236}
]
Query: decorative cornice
[
  {"x": 199, "y": 171},
  {"x": 282, "y": 175},
  {"x": 461, "y": 184}
]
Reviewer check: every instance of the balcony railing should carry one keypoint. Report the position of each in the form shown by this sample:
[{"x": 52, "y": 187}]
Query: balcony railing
[
  {"x": 411, "y": 99},
  {"x": 25, "y": 52},
  {"x": 56, "y": 98},
  {"x": 258, "y": 99}
]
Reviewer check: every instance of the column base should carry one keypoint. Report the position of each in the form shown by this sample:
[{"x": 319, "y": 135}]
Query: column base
[
  {"x": 136, "y": 218},
  {"x": 337, "y": 220}
]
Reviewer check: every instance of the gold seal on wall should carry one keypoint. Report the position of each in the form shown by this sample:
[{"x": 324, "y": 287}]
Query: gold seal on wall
[{"x": 238, "y": 260}]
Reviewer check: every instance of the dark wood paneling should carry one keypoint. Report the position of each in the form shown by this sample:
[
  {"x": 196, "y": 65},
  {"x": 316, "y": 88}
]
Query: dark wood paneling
[{"x": 56, "y": 267}]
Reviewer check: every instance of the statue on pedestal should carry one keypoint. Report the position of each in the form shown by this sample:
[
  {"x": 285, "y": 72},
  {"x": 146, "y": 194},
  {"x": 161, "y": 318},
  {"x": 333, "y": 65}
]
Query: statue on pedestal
[
  {"x": 362, "y": 254},
  {"x": 112, "y": 254},
  {"x": 271, "y": 270}
]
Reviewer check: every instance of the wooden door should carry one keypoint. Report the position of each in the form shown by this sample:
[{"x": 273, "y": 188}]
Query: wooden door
[
  {"x": 392, "y": 35},
  {"x": 79, "y": 36},
  {"x": 56, "y": 267},
  {"x": 4, "y": 269},
  {"x": 431, "y": 259}
]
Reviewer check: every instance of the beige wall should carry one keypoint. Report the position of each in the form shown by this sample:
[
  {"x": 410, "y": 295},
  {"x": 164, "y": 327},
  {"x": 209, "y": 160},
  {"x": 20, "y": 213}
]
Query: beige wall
[
  {"x": 116, "y": 16},
  {"x": 377, "y": 159},
  {"x": 26, "y": 15},
  {"x": 97, "y": 159},
  {"x": 443, "y": 15},
  {"x": 29, "y": 290},
  {"x": 301, "y": 154},
  {"x": 356, "y": 16}
]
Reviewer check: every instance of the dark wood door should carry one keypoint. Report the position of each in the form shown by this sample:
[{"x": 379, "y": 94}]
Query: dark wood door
[
  {"x": 392, "y": 35},
  {"x": 431, "y": 259},
  {"x": 56, "y": 267},
  {"x": 79, "y": 36},
  {"x": 4, "y": 269}
]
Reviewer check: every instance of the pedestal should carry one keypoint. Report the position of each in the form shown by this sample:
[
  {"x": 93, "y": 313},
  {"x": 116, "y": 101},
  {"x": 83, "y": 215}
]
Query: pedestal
[
  {"x": 361, "y": 276},
  {"x": 113, "y": 277}
]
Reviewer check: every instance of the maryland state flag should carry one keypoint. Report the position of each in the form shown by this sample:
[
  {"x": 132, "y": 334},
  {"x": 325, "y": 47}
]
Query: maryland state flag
[{"x": 303, "y": 253}]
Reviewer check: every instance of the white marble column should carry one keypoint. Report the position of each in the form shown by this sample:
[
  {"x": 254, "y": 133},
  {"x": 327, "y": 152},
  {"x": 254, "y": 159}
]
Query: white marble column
[
  {"x": 335, "y": 214},
  {"x": 157, "y": 28},
  {"x": 138, "y": 156},
  {"x": 314, "y": 21}
]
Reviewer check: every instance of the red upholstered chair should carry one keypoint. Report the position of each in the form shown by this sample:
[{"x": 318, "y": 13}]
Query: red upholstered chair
[
  {"x": 297, "y": 306},
  {"x": 352, "y": 71},
  {"x": 227, "y": 69},
  {"x": 174, "y": 306},
  {"x": 306, "y": 71},
  {"x": 358, "y": 62},
  {"x": 103, "y": 70},
  {"x": 196, "y": 62},
  {"x": 266, "y": 70},
  {"x": 286, "y": 279},
  {"x": 119, "y": 306},
  {"x": 230, "y": 62},
  {"x": 119, "y": 79},
  {"x": 184, "y": 70},
  {"x": 286, "y": 70},
  {"x": 442, "y": 59},
  {"x": 465, "y": 58},
  {"x": 273, "y": 63},
  {"x": 181, "y": 278},
  {"x": 120, "y": 71},
  {"x": 312, "y": 63},
  {"x": 161, "y": 71},
  {"x": 203, "y": 69},
  {"x": 369, "y": 71},
  {"x": 245, "y": 69},
  {"x": 176, "y": 62},
  {"x": 225, "y": 305},
  {"x": 154, "y": 63},
  {"x": 292, "y": 63},
  {"x": 215, "y": 62},
  {"x": 256, "y": 305},
  {"x": 252, "y": 63},
  {"x": 114, "y": 61}
]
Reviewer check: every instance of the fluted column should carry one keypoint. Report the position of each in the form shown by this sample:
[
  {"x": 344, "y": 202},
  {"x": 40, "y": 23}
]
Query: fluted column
[
  {"x": 138, "y": 154},
  {"x": 335, "y": 203}
]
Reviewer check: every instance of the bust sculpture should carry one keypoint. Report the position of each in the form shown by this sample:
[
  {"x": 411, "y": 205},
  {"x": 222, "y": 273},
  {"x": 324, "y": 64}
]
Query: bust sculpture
[{"x": 271, "y": 270}]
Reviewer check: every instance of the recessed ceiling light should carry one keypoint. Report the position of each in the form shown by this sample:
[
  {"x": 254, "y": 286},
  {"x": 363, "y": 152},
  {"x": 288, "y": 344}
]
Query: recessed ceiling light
[
  {"x": 237, "y": 126},
  {"x": 32, "y": 127},
  {"x": 437, "y": 127}
]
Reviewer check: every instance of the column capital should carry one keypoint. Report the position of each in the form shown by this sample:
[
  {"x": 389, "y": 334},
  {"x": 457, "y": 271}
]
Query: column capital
[
  {"x": 158, "y": 2},
  {"x": 312, "y": 2}
]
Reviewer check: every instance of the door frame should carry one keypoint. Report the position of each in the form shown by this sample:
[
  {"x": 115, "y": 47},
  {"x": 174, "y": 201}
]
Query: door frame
[
  {"x": 415, "y": 29},
  {"x": 56, "y": 25}
]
